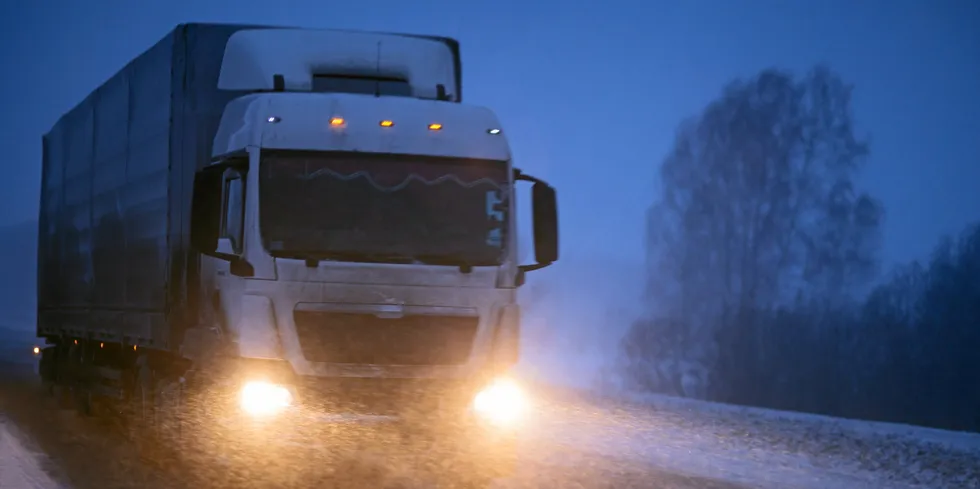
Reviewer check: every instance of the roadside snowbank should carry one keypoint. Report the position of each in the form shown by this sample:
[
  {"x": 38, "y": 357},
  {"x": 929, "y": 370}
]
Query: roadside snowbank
[
  {"x": 768, "y": 448},
  {"x": 19, "y": 468}
]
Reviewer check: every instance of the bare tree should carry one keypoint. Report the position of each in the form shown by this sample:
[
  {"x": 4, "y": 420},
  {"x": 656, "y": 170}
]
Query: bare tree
[{"x": 758, "y": 209}]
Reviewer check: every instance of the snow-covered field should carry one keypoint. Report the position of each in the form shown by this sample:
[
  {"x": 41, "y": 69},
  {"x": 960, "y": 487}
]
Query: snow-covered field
[
  {"x": 765, "y": 448},
  {"x": 20, "y": 468}
]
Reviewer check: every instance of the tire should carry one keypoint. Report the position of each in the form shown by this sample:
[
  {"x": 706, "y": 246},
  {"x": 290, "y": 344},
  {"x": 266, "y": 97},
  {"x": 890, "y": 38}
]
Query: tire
[
  {"x": 140, "y": 410},
  {"x": 78, "y": 395}
]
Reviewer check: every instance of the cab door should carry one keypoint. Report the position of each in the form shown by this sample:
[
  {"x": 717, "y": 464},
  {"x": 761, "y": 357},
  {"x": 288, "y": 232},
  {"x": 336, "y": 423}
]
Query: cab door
[{"x": 231, "y": 236}]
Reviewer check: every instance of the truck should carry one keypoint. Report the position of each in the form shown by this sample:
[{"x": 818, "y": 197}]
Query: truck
[{"x": 261, "y": 231}]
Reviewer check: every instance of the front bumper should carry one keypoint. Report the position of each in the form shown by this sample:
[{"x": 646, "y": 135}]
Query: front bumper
[{"x": 312, "y": 435}]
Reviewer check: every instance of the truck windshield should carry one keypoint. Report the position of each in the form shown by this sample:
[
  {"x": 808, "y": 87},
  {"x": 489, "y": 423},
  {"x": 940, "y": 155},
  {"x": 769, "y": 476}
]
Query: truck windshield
[{"x": 383, "y": 208}]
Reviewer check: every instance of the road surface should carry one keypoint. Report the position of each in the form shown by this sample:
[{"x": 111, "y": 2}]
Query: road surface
[
  {"x": 20, "y": 467},
  {"x": 82, "y": 453}
]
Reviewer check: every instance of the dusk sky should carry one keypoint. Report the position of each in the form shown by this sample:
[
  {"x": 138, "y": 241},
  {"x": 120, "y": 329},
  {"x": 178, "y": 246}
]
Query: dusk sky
[{"x": 589, "y": 93}]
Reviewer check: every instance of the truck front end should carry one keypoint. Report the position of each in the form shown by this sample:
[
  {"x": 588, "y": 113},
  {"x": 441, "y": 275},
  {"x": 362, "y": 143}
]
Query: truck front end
[{"x": 360, "y": 270}]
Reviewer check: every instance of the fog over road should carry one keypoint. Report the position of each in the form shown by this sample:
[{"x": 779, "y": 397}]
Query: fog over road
[{"x": 80, "y": 453}]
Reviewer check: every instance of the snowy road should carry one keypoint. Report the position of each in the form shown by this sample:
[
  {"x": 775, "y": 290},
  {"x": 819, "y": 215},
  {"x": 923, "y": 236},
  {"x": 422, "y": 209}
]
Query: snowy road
[
  {"x": 570, "y": 442},
  {"x": 20, "y": 467},
  {"x": 82, "y": 455},
  {"x": 764, "y": 448}
]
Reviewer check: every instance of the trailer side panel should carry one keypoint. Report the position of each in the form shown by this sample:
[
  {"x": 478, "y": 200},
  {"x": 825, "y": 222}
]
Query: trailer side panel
[{"x": 104, "y": 208}]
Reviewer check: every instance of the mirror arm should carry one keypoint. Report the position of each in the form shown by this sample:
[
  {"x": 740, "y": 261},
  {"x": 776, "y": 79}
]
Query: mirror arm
[
  {"x": 522, "y": 270},
  {"x": 241, "y": 267},
  {"x": 222, "y": 256},
  {"x": 239, "y": 264},
  {"x": 524, "y": 177},
  {"x": 533, "y": 267},
  {"x": 222, "y": 165}
]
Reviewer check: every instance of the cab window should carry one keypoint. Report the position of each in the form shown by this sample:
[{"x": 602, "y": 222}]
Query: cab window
[{"x": 233, "y": 208}]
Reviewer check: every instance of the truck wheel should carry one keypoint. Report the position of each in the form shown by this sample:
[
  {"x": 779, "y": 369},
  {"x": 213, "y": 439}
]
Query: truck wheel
[
  {"x": 63, "y": 381},
  {"x": 50, "y": 368},
  {"x": 140, "y": 408},
  {"x": 78, "y": 389}
]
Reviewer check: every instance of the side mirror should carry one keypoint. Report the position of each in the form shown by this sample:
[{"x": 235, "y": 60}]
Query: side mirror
[
  {"x": 225, "y": 247},
  {"x": 238, "y": 266},
  {"x": 206, "y": 209},
  {"x": 544, "y": 201}
]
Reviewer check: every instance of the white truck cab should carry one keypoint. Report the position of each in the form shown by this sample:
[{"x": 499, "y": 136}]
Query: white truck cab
[{"x": 356, "y": 220}]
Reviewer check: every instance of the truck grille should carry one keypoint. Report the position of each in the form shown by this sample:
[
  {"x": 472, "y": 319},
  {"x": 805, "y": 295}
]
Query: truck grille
[
  {"x": 382, "y": 396},
  {"x": 358, "y": 338}
]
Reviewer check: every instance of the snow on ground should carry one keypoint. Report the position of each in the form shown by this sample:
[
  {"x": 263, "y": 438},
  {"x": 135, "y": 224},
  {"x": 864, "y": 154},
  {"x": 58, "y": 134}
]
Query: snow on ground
[
  {"x": 19, "y": 467},
  {"x": 765, "y": 448}
]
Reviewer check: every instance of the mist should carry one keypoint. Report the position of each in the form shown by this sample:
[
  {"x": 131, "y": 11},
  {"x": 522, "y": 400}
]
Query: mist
[
  {"x": 18, "y": 289},
  {"x": 575, "y": 316}
]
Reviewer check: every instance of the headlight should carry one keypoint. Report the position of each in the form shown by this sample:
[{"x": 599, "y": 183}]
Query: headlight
[
  {"x": 264, "y": 398},
  {"x": 502, "y": 403}
]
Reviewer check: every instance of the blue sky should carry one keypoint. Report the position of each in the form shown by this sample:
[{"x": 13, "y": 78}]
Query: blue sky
[{"x": 590, "y": 92}]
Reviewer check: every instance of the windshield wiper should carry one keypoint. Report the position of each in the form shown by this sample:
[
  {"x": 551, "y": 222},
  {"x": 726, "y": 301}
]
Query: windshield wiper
[
  {"x": 313, "y": 258},
  {"x": 450, "y": 259}
]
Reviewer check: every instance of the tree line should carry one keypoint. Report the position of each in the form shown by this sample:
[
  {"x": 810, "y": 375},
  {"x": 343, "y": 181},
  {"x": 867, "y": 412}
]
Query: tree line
[{"x": 762, "y": 265}]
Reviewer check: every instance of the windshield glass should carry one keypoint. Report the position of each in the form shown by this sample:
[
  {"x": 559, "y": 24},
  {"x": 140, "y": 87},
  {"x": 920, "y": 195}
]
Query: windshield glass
[{"x": 385, "y": 208}]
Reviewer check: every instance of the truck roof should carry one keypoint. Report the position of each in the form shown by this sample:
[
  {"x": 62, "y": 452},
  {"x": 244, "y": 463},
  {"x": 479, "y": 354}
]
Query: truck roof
[
  {"x": 361, "y": 123},
  {"x": 330, "y": 60},
  {"x": 186, "y": 31}
]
